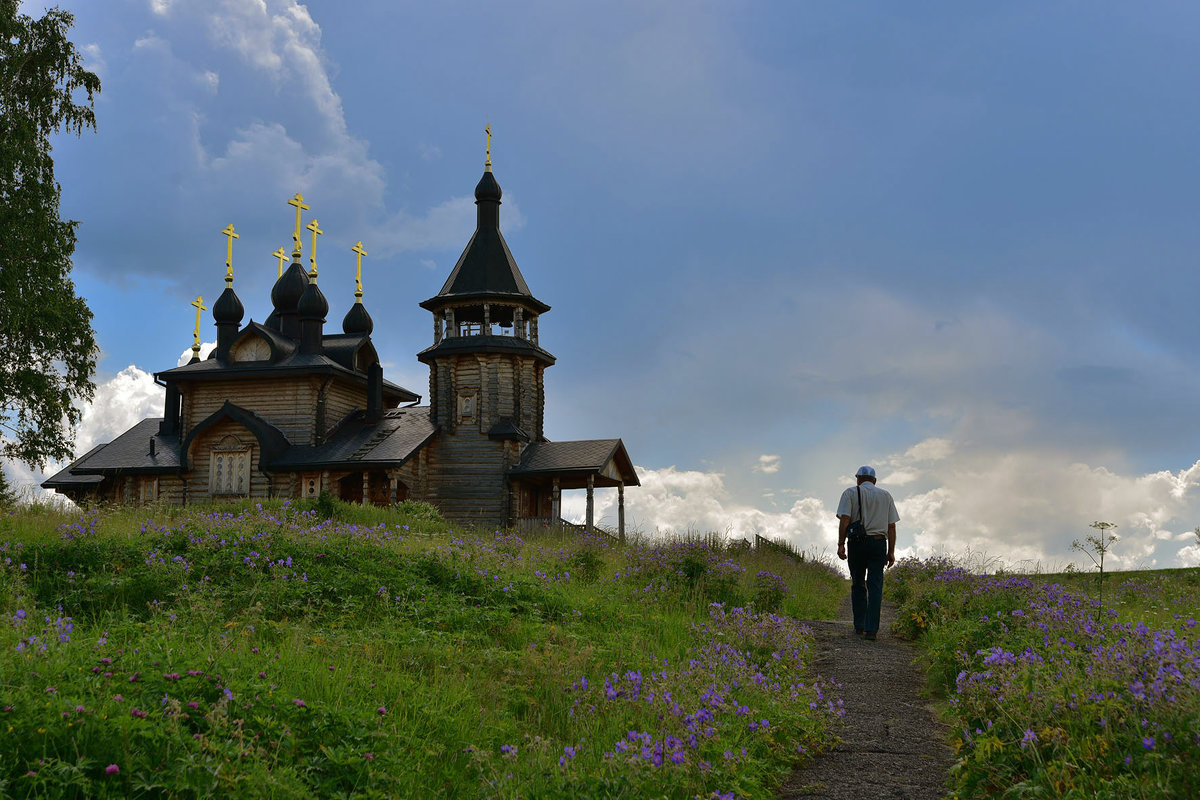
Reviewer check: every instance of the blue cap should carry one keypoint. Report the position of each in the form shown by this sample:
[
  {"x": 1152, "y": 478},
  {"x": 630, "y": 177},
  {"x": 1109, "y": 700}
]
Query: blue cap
[{"x": 865, "y": 472}]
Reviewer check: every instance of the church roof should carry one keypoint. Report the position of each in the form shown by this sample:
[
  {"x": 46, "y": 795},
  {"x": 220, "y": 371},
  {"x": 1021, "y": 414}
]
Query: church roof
[
  {"x": 342, "y": 347},
  {"x": 485, "y": 344},
  {"x": 572, "y": 462},
  {"x": 388, "y": 443},
  {"x": 486, "y": 270},
  {"x": 129, "y": 451},
  {"x": 65, "y": 477}
]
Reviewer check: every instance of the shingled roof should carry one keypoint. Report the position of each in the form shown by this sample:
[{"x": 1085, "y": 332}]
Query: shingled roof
[
  {"x": 486, "y": 270},
  {"x": 604, "y": 459},
  {"x": 129, "y": 452},
  {"x": 64, "y": 477},
  {"x": 212, "y": 369},
  {"x": 485, "y": 344},
  {"x": 358, "y": 444}
]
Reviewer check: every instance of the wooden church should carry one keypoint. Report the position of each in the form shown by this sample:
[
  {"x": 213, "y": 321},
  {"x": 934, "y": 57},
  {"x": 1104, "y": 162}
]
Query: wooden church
[{"x": 286, "y": 409}]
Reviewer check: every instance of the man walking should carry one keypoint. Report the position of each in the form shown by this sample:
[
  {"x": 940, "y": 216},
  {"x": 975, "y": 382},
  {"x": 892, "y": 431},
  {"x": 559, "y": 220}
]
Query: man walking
[{"x": 871, "y": 547}]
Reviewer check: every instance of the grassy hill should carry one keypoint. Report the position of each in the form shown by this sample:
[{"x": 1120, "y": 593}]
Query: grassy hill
[
  {"x": 1053, "y": 694},
  {"x": 274, "y": 651}
]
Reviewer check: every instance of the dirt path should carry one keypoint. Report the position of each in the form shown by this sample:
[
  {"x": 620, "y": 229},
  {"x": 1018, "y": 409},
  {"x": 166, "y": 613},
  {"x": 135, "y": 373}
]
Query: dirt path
[{"x": 892, "y": 745}]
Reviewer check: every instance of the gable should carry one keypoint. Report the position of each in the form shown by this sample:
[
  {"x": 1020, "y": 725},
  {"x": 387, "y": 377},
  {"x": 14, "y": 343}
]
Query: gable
[{"x": 252, "y": 347}]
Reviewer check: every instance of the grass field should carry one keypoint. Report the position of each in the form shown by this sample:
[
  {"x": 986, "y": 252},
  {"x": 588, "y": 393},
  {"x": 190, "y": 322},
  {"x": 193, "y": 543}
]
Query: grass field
[
  {"x": 1054, "y": 696},
  {"x": 269, "y": 651}
]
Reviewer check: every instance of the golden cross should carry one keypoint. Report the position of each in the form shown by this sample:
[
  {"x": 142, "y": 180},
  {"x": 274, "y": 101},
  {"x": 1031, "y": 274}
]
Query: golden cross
[
  {"x": 228, "y": 231},
  {"x": 312, "y": 258},
  {"x": 298, "y": 202},
  {"x": 358, "y": 250},
  {"x": 281, "y": 254},
  {"x": 199, "y": 304},
  {"x": 488, "y": 164}
]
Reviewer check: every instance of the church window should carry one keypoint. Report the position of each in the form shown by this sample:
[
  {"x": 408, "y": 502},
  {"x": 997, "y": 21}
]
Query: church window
[
  {"x": 230, "y": 468},
  {"x": 149, "y": 490},
  {"x": 310, "y": 484}
]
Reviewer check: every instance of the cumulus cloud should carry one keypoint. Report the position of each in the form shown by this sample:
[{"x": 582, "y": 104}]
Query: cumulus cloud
[
  {"x": 673, "y": 502},
  {"x": 1021, "y": 509},
  {"x": 1023, "y": 506},
  {"x": 767, "y": 464},
  {"x": 1189, "y": 556},
  {"x": 206, "y": 349},
  {"x": 127, "y": 398},
  {"x": 231, "y": 106}
]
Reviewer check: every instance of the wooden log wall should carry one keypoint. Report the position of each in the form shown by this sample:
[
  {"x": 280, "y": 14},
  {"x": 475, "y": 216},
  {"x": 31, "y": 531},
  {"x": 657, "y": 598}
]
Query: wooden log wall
[
  {"x": 287, "y": 403},
  {"x": 466, "y": 472},
  {"x": 200, "y": 461},
  {"x": 342, "y": 397},
  {"x": 170, "y": 490},
  {"x": 465, "y": 478}
]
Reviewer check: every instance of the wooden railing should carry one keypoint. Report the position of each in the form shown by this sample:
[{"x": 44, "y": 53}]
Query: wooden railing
[
  {"x": 554, "y": 525},
  {"x": 782, "y": 548}
]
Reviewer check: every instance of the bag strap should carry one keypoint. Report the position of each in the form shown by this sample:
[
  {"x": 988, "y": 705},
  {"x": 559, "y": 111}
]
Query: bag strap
[{"x": 861, "y": 516}]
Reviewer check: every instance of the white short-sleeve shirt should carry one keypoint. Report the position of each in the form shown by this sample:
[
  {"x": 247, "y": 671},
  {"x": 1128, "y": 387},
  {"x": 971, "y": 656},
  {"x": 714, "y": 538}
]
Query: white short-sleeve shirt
[{"x": 879, "y": 509}]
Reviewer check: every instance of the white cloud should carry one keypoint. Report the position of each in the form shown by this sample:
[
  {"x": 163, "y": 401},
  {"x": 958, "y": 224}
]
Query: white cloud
[
  {"x": 94, "y": 59},
  {"x": 206, "y": 349},
  {"x": 123, "y": 400},
  {"x": 1021, "y": 509},
  {"x": 934, "y": 449},
  {"x": 1189, "y": 556},
  {"x": 672, "y": 501},
  {"x": 768, "y": 464}
]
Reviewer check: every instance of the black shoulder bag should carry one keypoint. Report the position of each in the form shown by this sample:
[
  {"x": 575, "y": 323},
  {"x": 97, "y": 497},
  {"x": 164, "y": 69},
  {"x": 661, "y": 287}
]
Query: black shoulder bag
[{"x": 857, "y": 529}]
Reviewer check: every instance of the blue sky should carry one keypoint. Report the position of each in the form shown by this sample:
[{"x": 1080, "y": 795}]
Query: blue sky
[{"x": 955, "y": 241}]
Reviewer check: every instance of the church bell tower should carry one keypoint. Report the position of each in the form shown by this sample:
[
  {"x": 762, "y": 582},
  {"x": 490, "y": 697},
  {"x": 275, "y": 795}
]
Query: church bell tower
[{"x": 486, "y": 368}]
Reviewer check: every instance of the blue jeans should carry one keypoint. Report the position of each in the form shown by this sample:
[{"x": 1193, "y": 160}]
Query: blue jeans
[{"x": 866, "y": 559}]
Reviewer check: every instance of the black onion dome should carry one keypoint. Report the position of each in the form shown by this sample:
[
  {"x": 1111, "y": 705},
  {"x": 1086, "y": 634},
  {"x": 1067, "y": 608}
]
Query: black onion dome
[
  {"x": 273, "y": 321},
  {"x": 285, "y": 294},
  {"x": 313, "y": 304},
  {"x": 487, "y": 188},
  {"x": 228, "y": 308},
  {"x": 357, "y": 320}
]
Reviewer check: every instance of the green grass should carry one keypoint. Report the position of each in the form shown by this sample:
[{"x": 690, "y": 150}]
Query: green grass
[
  {"x": 264, "y": 652},
  {"x": 1053, "y": 696}
]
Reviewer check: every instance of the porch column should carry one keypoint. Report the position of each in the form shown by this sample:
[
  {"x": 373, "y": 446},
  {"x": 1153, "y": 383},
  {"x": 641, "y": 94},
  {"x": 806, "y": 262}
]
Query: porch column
[
  {"x": 325, "y": 486},
  {"x": 555, "y": 503},
  {"x": 591, "y": 501},
  {"x": 621, "y": 511},
  {"x": 393, "y": 481},
  {"x": 366, "y": 497}
]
